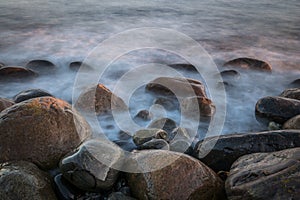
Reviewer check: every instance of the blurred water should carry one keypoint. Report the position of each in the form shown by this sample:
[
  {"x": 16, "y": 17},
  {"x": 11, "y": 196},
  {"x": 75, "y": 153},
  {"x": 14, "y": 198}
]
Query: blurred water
[{"x": 66, "y": 31}]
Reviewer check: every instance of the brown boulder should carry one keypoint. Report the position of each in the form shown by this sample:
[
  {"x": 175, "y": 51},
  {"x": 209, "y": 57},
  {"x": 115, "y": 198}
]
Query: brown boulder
[
  {"x": 292, "y": 93},
  {"x": 293, "y": 123},
  {"x": 172, "y": 175},
  {"x": 5, "y": 103},
  {"x": 99, "y": 99},
  {"x": 40, "y": 130},
  {"x": 205, "y": 106},
  {"x": 249, "y": 63},
  {"x": 277, "y": 109},
  {"x": 265, "y": 176},
  {"x": 16, "y": 71}
]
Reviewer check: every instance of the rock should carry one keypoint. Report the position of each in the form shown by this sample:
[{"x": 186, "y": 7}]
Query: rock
[
  {"x": 206, "y": 107},
  {"x": 99, "y": 99},
  {"x": 171, "y": 175},
  {"x": 125, "y": 145},
  {"x": 93, "y": 166},
  {"x": 168, "y": 104},
  {"x": 40, "y": 65},
  {"x": 30, "y": 94},
  {"x": 228, "y": 148},
  {"x": 144, "y": 115},
  {"x": 165, "y": 124},
  {"x": 24, "y": 180},
  {"x": 230, "y": 74},
  {"x": 40, "y": 130},
  {"x": 119, "y": 196},
  {"x": 295, "y": 83},
  {"x": 182, "y": 87},
  {"x": 145, "y": 135},
  {"x": 5, "y": 103},
  {"x": 154, "y": 144},
  {"x": 181, "y": 145},
  {"x": 265, "y": 176},
  {"x": 277, "y": 109},
  {"x": 187, "y": 67},
  {"x": 293, "y": 123},
  {"x": 249, "y": 63},
  {"x": 274, "y": 126},
  {"x": 16, "y": 72},
  {"x": 179, "y": 133},
  {"x": 78, "y": 64},
  {"x": 2, "y": 64},
  {"x": 292, "y": 93}
]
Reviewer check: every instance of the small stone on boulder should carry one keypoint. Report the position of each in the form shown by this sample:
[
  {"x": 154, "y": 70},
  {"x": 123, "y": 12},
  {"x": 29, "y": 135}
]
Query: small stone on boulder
[
  {"x": 145, "y": 135},
  {"x": 30, "y": 94}
]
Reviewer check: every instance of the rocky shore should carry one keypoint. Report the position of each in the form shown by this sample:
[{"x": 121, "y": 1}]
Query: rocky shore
[{"x": 49, "y": 150}]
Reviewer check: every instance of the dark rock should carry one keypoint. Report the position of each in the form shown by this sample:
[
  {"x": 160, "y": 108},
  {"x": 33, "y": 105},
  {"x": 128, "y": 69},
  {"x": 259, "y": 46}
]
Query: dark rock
[
  {"x": 40, "y": 130},
  {"x": 179, "y": 86},
  {"x": 125, "y": 145},
  {"x": 172, "y": 175},
  {"x": 168, "y": 104},
  {"x": 64, "y": 189},
  {"x": 124, "y": 135},
  {"x": 145, "y": 135},
  {"x": 40, "y": 64},
  {"x": 75, "y": 66},
  {"x": 154, "y": 144},
  {"x": 30, "y": 94},
  {"x": 181, "y": 146},
  {"x": 265, "y": 176},
  {"x": 293, "y": 123},
  {"x": 187, "y": 67},
  {"x": 295, "y": 83},
  {"x": 205, "y": 106},
  {"x": 166, "y": 124},
  {"x": 2, "y": 64},
  {"x": 24, "y": 180},
  {"x": 277, "y": 109},
  {"x": 230, "y": 74},
  {"x": 249, "y": 63},
  {"x": 119, "y": 196},
  {"x": 144, "y": 115},
  {"x": 292, "y": 93},
  {"x": 5, "y": 103},
  {"x": 179, "y": 133},
  {"x": 93, "y": 166},
  {"x": 226, "y": 149},
  {"x": 16, "y": 72},
  {"x": 99, "y": 99}
]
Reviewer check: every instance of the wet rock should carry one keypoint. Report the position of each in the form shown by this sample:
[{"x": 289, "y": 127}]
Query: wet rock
[
  {"x": 75, "y": 66},
  {"x": 277, "y": 109},
  {"x": 171, "y": 175},
  {"x": 293, "y": 123},
  {"x": 144, "y": 115},
  {"x": 205, "y": 106},
  {"x": 119, "y": 196},
  {"x": 226, "y": 149},
  {"x": 187, "y": 67},
  {"x": 92, "y": 167},
  {"x": 40, "y": 130},
  {"x": 179, "y": 133},
  {"x": 40, "y": 65},
  {"x": 24, "y": 180},
  {"x": 230, "y": 74},
  {"x": 249, "y": 63},
  {"x": 179, "y": 86},
  {"x": 99, "y": 99},
  {"x": 16, "y": 72},
  {"x": 265, "y": 176},
  {"x": 274, "y": 126},
  {"x": 125, "y": 145},
  {"x": 295, "y": 83},
  {"x": 292, "y": 93},
  {"x": 168, "y": 104},
  {"x": 154, "y": 144},
  {"x": 165, "y": 124},
  {"x": 30, "y": 94},
  {"x": 145, "y": 135},
  {"x": 5, "y": 103},
  {"x": 181, "y": 146}
]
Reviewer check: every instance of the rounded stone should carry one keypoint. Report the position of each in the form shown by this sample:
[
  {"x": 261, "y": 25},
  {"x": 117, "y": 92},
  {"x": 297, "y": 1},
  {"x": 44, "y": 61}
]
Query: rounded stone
[
  {"x": 41, "y": 130},
  {"x": 145, "y": 135},
  {"x": 16, "y": 72},
  {"x": 165, "y": 124},
  {"x": 249, "y": 63},
  {"x": 293, "y": 123},
  {"x": 5, "y": 103},
  {"x": 205, "y": 106},
  {"x": 292, "y": 93},
  {"x": 154, "y": 144},
  {"x": 30, "y": 94}
]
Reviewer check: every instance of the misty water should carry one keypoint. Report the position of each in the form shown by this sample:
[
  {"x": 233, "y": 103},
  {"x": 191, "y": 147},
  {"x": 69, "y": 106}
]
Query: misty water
[{"x": 67, "y": 31}]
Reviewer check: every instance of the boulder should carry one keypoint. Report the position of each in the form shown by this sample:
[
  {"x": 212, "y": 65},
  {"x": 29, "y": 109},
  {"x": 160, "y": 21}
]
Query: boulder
[
  {"x": 230, "y": 75},
  {"x": 205, "y": 106},
  {"x": 249, "y": 63},
  {"x": 30, "y": 94},
  {"x": 145, "y": 135},
  {"x": 24, "y": 180},
  {"x": 292, "y": 93},
  {"x": 144, "y": 115},
  {"x": 182, "y": 66},
  {"x": 265, "y": 176},
  {"x": 99, "y": 99},
  {"x": 154, "y": 144},
  {"x": 93, "y": 166},
  {"x": 5, "y": 103},
  {"x": 182, "y": 87},
  {"x": 165, "y": 124},
  {"x": 38, "y": 64},
  {"x": 226, "y": 149},
  {"x": 295, "y": 83},
  {"x": 277, "y": 109},
  {"x": 172, "y": 175},
  {"x": 41, "y": 130},
  {"x": 76, "y": 65},
  {"x": 16, "y": 71},
  {"x": 293, "y": 123}
]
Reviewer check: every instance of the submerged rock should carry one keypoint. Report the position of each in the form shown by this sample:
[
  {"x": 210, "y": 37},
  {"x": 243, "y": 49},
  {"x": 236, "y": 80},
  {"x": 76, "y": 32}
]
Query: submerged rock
[
  {"x": 24, "y": 180},
  {"x": 145, "y": 135},
  {"x": 144, "y": 115},
  {"x": 295, "y": 83},
  {"x": 16, "y": 72},
  {"x": 40, "y": 64},
  {"x": 226, "y": 149},
  {"x": 249, "y": 63},
  {"x": 93, "y": 166},
  {"x": 99, "y": 99},
  {"x": 293, "y": 123},
  {"x": 292, "y": 93},
  {"x": 204, "y": 105},
  {"x": 5, "y": 103},
  {"x": 76, "y": 65},
  {"x": 179, "y": 177},
  {"x": 277, "y": 109},
  {"x": 183, "y": 66},
  {"x": 166, "y": 124},
  {"x": 230, "y": 74},
  {"x": 265, "y": 176},
  {"x": 40, "y": 130},
  {"x": 30, "y": 94}
]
